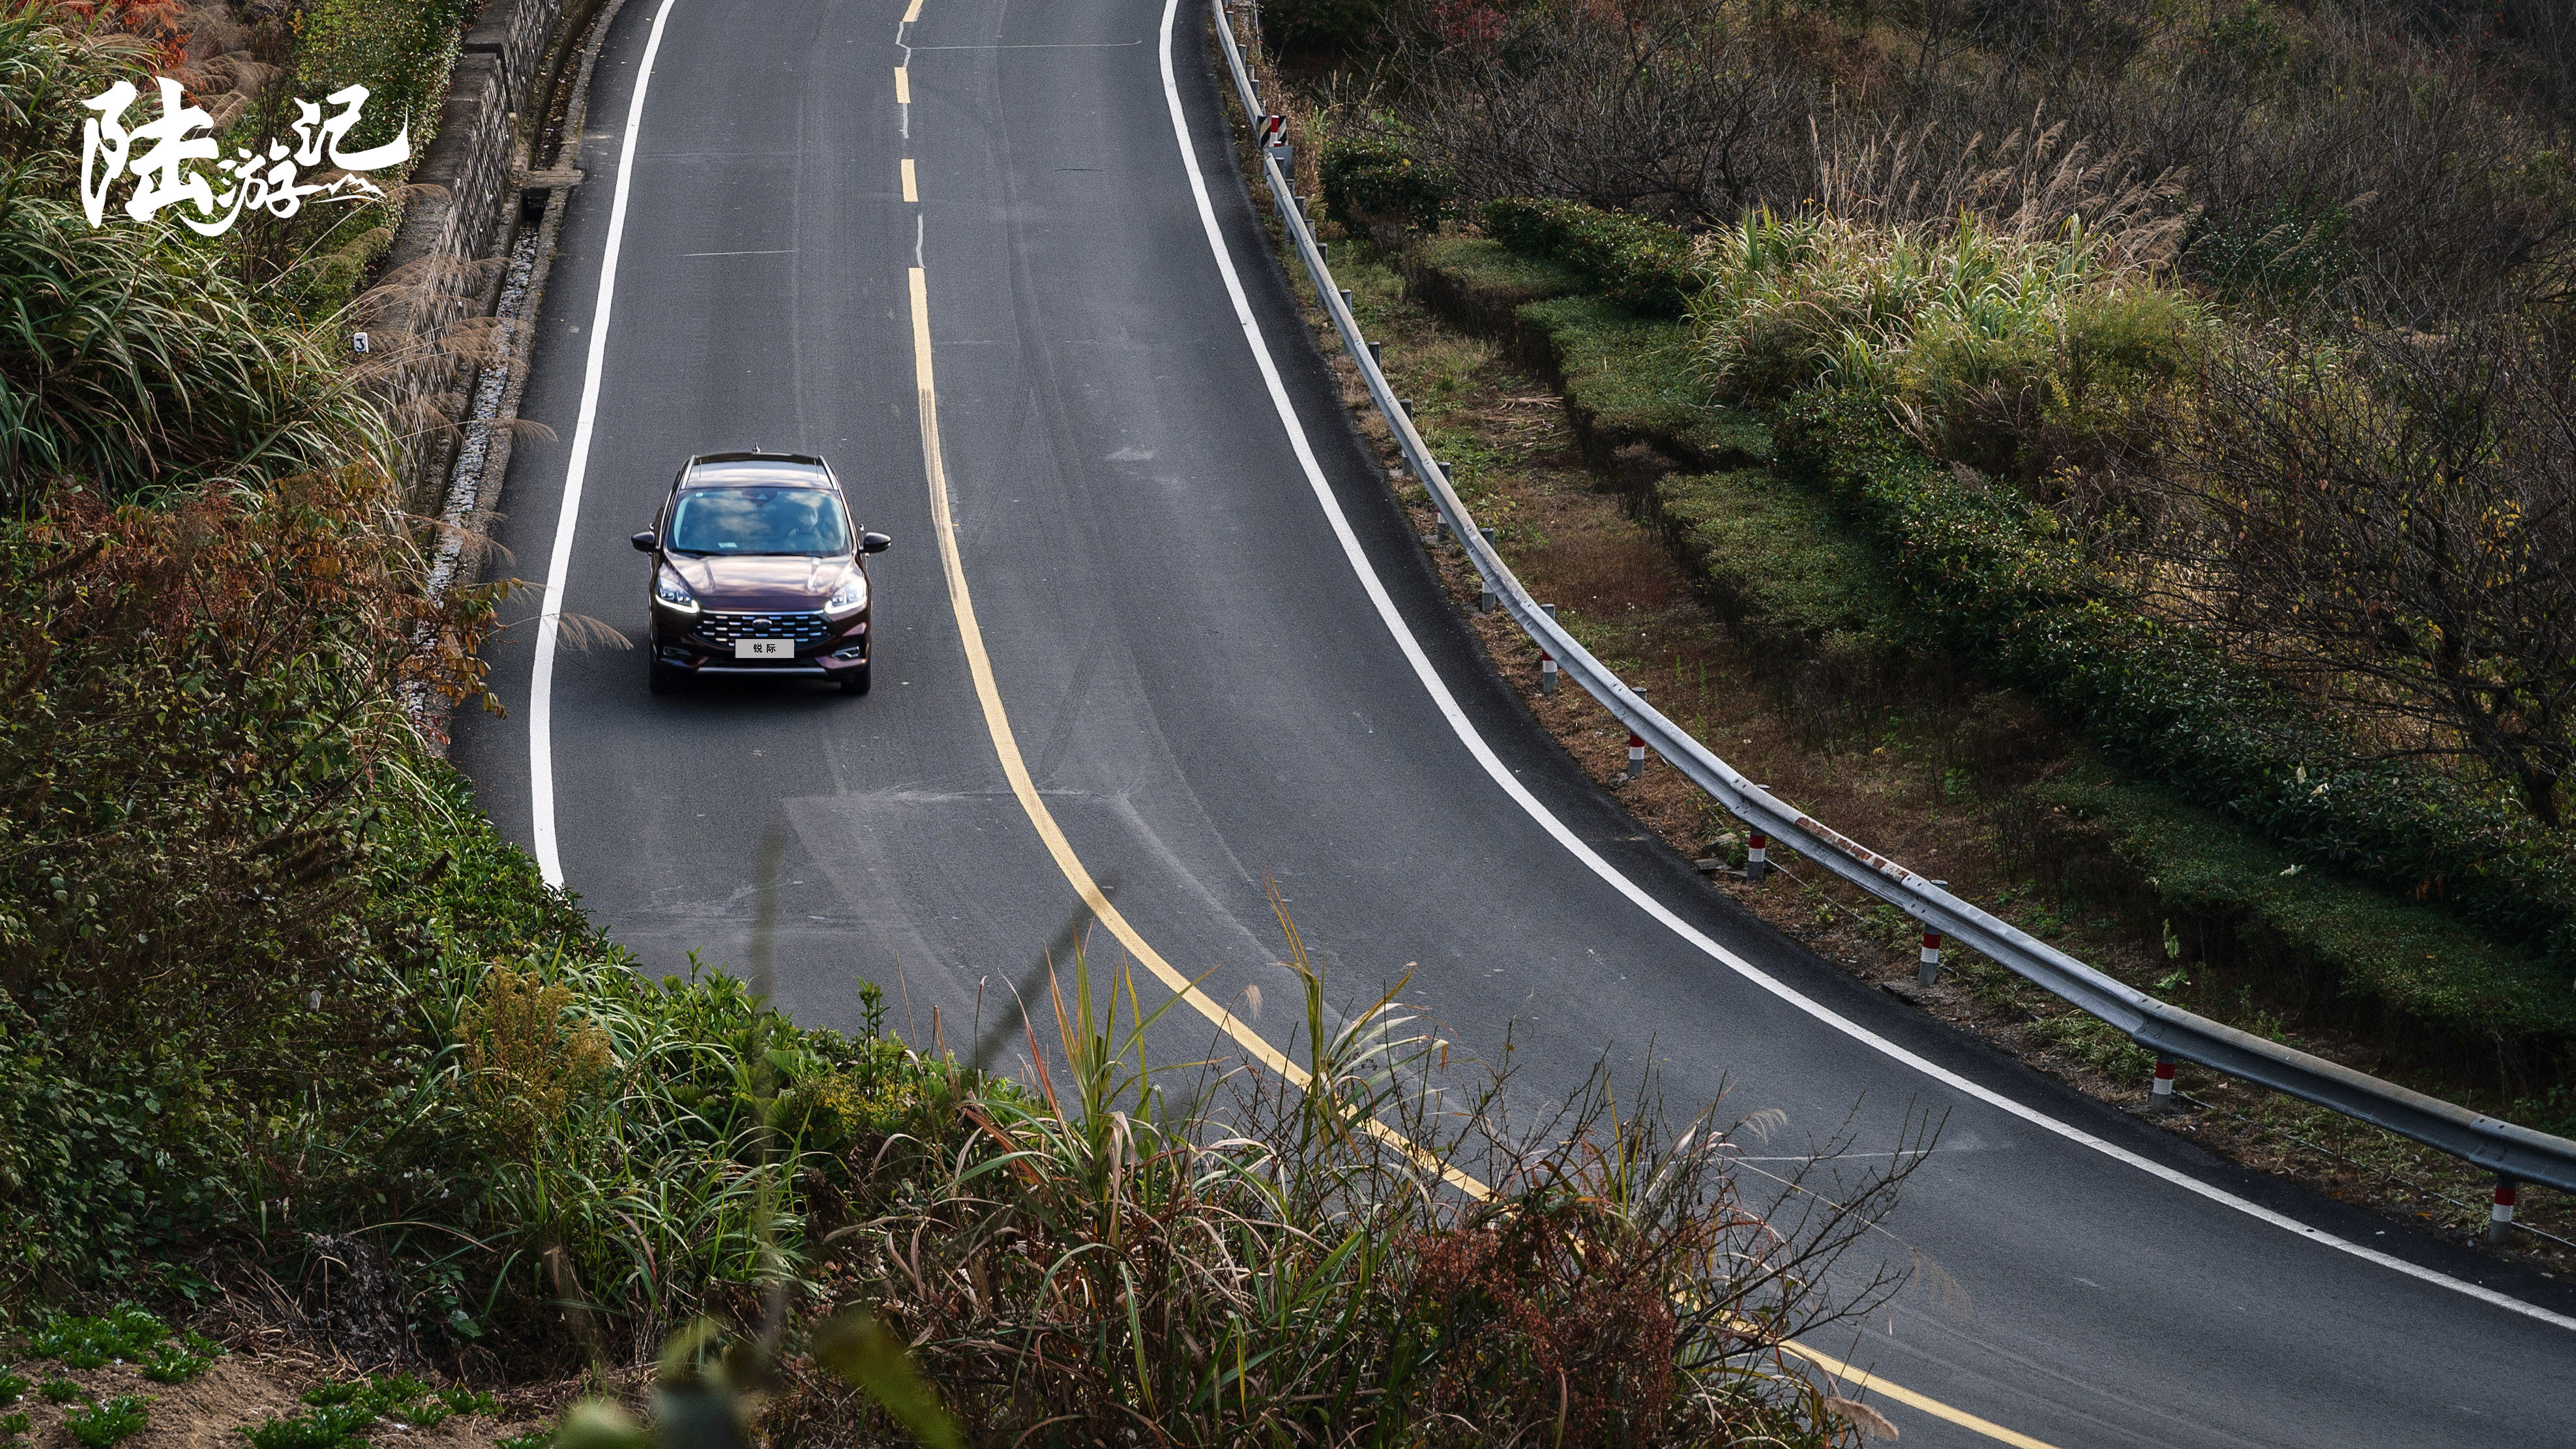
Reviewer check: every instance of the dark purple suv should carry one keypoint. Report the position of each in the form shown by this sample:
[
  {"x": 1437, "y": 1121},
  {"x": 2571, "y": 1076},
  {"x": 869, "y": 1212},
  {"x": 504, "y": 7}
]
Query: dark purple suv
[{"x": 757, "y": 569}]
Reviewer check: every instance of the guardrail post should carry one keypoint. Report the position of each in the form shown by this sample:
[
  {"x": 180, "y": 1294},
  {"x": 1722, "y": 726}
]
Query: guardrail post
[
  {"x": 2160, "y": 1097},
  {"x": 1636, "y": 744},
  {"x": 1547, "y": 661},
  {"x": 1377, "y": 354},
  {"x": 2500, "y": 1217},
  {"x": 1929, "y": 970},
  {"x": 1486, "y": 597},
  {"x": 1757, "y": 859}
]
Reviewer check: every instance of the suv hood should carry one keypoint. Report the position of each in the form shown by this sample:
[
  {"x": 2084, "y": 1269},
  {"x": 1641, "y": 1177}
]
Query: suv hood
[{"x": 761, "y": 581}]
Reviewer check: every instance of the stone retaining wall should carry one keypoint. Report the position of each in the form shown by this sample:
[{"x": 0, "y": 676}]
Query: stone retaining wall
[{"x": 506, "y": 68}]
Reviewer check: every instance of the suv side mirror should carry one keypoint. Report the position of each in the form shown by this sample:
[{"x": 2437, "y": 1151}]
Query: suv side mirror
[
  {"x": 874, "y": 543},
  {"x": 646, "y": 541}
]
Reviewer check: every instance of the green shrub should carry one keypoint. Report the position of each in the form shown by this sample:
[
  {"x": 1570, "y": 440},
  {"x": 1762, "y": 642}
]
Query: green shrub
[
  {"x": 1987, "y": 577},
  {"x": 177, "y": 1363},
  {"x": 323, "y": 1428},
  {"x": 340, "y": 1410},
  {"x": 13, "y": 1387},
  {"x": 1335, "y": 25},
  {"x": 59, "y": 1390},
  {"x": 118, "y": 1417},
  {"x": 1643, "y": 265},
  {"x": 14, "y": 1426},
  {"x": 401, "y": 52},
  {"x": 2015, "y": 354},
  {"x": 2374, "y": 947},
  {"x": 1769, "y": 551},
  {"x": 1368, "y": 177},
  {"x": 1627, "y": 377},
  {"x": 125, "y": 1335}
]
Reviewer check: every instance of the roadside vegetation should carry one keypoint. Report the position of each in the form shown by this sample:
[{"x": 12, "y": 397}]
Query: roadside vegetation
[
  {"x": 297, "y": 1054},
  {"x": 2198, "y": 376}
]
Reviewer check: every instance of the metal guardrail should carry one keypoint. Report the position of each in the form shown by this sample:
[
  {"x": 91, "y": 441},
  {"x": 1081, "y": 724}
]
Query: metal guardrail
[{"x": 2514, "y": 1154}]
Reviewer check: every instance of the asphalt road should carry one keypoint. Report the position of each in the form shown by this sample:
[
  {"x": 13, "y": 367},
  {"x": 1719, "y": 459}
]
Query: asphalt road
[{"x": 1206, "y": 697}]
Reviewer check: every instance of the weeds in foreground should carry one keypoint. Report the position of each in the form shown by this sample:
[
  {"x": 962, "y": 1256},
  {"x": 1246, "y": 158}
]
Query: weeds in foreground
[
  {"x": 120, "y": 1416},
  {"x": 1361, "y": 1247},
  {"x": 1367, "y": 1250},
  {"x": 340, "y": 1411}
]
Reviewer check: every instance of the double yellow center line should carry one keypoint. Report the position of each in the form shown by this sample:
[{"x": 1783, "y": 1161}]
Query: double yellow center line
[{"x": 1006, "y": 745}]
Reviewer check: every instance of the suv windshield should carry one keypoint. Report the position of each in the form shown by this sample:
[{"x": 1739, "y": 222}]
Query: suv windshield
[{"x": 758, "y": 520}]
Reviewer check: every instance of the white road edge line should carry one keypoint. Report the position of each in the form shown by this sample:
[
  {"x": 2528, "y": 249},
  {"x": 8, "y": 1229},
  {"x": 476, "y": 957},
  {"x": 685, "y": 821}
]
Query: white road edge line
[
  {"x": 1502, "y": 776},
  {"x": 541, "y": 755}
]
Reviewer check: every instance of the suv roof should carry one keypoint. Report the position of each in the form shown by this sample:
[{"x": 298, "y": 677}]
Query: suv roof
[{"x": 778, "y": 470}]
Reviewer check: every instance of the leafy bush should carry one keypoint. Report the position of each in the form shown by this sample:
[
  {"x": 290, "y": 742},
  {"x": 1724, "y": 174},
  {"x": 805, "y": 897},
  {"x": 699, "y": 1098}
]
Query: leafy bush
[
  {"x": 461, "y": 1400},
  {"x": 401, "y": 53},
  {"x": 1372, "y": 177},
  {"x": 1987, "y": 577},
  {"x": 177, "y": 1363},
  {"x": 128, "y": 1335},
  {"x": 324, "y": 1428},
  {"x": 119, "y": 1416},
  {"x": 2014, "y": 354},
  {"x": 1632, "y": 376},
  {"x": 59, "y": 1390},
  {"x": 340, "y": 1410},
  {"x": 125, "y": 1336},
  {"x": 1642, "y": 265},
  {"x": 13, "y": 1387},
  {"x": 1335, "y": 25}
]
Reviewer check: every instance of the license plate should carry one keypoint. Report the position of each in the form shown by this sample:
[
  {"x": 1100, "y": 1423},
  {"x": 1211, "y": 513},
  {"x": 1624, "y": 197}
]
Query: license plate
[{"x": 764, "y": 649}]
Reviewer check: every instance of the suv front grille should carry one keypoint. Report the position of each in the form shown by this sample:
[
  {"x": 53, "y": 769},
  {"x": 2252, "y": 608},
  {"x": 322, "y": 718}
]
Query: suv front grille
[{"x": 723, "y": 629}]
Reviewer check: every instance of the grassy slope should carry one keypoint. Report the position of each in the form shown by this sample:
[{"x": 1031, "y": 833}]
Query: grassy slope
[{"x": 1773, "y": 557}]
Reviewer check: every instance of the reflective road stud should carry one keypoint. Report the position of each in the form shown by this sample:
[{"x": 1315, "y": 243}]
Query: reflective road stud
[
  {"x": 1930, "y": 969},
  {"x": 1757, "y": 860},
  {"x": 2500, "y": 1217},
  {"x": 2160, "y": 1098},
  {"x": 1547, "y": 661}
]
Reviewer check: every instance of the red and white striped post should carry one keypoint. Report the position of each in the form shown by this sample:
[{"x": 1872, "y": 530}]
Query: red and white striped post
[
  {"x": 2160, "y": 1097},
  {"x": 1274, "y": 139},
  {"x": 1547, "y": 661},
  {"x": 1636, "y": 745},
  {"x": 1929, "y": 969},
  {"x": 2500, "y": 1217},
  {"x": 1757, "y": 860}
]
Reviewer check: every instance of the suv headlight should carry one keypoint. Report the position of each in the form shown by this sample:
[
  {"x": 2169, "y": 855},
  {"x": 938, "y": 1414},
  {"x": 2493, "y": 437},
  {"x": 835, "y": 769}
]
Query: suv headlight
[
  {"x": 668, "y": 588},
  {"x": 850, "y": 597}
]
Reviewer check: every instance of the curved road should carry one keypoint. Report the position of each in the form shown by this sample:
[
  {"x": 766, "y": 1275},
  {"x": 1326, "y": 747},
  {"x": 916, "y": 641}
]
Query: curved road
[{"x": 1204, "y": 693}]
